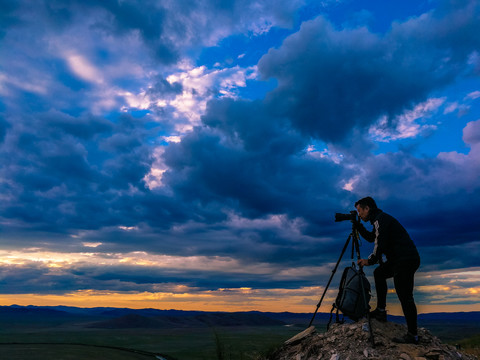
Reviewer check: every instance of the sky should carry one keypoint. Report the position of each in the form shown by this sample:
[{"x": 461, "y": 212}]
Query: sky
[{"x": 192, "y": 154}]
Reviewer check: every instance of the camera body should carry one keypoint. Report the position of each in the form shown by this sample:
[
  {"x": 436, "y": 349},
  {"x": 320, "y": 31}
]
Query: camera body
[{"x": 352, "y": 216}]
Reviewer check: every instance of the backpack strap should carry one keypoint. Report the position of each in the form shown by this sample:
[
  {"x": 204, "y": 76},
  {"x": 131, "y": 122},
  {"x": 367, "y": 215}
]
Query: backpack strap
[
  {"x": 337, "y": 319},
  {"x": 331, "y": 314}
]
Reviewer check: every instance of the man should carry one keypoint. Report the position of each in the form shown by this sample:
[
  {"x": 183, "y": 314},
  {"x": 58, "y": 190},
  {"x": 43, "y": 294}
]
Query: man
[{"x": 402, "y": 261}]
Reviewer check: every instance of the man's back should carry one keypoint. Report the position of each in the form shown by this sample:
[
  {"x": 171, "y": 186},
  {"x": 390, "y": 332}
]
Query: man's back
[{"x": 392, "y": 239}]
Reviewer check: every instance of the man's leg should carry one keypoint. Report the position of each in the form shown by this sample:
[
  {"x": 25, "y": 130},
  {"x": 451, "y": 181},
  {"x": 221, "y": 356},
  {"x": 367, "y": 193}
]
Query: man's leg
[
  {"x": 404, "y": 282},
  {"x": 381, "y": 274}
]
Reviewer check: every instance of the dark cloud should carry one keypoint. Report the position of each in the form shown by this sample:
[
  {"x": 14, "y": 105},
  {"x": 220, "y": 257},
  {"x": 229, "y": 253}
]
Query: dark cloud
[
  {"x": 40, "y": 278},
  {"x": 70, "y": 168},
  {"x": 166, "y": 29},
  {"x": 247, "y": 160},
  {"x": 429, "y": 193},
  {"x": 332, "y": 81},
  {"x": 164, "y": 90}
]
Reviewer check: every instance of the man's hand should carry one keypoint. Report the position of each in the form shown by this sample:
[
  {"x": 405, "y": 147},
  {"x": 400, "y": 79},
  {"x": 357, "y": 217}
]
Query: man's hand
[
  {"x": 362, "y": 262},
  {"x": 357, "y": 224}
]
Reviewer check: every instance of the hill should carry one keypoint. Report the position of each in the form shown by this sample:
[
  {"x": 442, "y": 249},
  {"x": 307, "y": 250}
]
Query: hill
[
  {"x": 134, "y": 320},
  {"x": 448, "y": 326},
  {"x": 351, "y": 341}
]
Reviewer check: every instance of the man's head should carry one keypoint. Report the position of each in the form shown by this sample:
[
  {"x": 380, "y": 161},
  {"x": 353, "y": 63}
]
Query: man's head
[{"x": 365, "y": 206}]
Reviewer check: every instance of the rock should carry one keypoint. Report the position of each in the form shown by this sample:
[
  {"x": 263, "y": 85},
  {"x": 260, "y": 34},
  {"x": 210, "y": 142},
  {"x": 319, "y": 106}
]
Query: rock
[
  {"x": 349, "y": 341},
  {"x": 300, "y": 336},
  {"x": 433, "y": 354},
  {"x": 331, "y": 339}
]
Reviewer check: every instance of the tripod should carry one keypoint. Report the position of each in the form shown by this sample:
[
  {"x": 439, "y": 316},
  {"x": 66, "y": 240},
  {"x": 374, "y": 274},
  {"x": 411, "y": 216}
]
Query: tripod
[{"x": 355, "y": 248}]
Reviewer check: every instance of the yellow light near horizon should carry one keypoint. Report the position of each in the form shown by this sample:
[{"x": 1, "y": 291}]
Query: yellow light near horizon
[
  {"x": 442, "y": 297},
  {"x": 274, "y": 300}
]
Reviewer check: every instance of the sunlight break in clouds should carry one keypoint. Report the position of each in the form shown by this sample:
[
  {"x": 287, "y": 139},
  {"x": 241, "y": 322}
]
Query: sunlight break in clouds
[
  {"x": 407, "y": 124},
  {"x": 200, "y": 85},
  {"x": 142, "y": 259},
  {"x": 154, "y": 177},
  {"x": 91, "y": 244},
  {"x": 457, "y": 287},
  {"x": 84, "y": 69}
]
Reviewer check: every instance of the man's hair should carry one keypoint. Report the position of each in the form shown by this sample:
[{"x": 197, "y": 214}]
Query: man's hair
[{"x": 367, "y": 201}]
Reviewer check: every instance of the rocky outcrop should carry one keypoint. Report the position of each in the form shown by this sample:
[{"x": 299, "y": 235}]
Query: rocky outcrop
[{"x": 351, "y": 342}]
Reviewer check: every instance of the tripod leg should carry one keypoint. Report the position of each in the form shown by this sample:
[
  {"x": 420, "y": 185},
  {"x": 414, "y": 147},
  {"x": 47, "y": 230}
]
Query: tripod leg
[
  {"x": 368, "y": 314},
  {"x": 330, "y": 280},
  {"x": 357, "y": 247}
]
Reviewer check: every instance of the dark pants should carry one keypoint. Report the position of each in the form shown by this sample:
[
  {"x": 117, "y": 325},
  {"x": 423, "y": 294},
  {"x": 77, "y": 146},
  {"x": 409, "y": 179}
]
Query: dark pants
[{"x": 403, "y": 278}]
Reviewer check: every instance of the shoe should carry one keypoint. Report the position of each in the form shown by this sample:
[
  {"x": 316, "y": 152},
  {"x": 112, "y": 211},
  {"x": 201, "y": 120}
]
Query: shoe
[
  {"x": 380, "y": 315},
  {"x": 406, "y": 339}
]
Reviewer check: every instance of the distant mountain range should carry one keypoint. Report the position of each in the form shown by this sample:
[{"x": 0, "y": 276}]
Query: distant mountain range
[{"x": 123, "y": 318}]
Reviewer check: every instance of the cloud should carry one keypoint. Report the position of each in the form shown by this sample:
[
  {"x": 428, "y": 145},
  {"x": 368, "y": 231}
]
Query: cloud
[
  {"x": 340, "y": 80},
  {"x": 167, "y": 30},
  {"x": 244, "y": 159},
  {"x": 407, "y": 124},
  {"x": 473, "y": 95},
  {"x": 437, "y": 186},
  {"x": 81, "y": 67},
  {"x": 70, "y": 167},
  {"x": 140, "y": 271},
  {"x": 200, "y": 85}
]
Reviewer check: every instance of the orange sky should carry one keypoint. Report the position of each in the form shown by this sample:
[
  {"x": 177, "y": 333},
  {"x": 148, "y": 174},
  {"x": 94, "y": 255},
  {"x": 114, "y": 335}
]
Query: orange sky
[
  {"x": 244, "y": 299},
  {"x": 440, "y": 291}
]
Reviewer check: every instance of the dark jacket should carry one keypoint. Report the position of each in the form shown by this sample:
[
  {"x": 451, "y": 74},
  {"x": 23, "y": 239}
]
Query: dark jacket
[{"x": 391, "y": 239}]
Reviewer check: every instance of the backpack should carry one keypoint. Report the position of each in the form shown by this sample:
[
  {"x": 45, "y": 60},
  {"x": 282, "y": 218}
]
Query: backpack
[{"x": 350, "y": 300}]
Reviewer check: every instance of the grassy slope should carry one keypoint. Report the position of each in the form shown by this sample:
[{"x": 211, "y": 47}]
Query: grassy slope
[
  {"x": 192, "y": 343},
  {"x": 228, "y": 342}
]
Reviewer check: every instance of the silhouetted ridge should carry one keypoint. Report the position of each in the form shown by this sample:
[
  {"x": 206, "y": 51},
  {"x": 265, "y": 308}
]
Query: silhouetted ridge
[
  {"x": 203, "y": 320},
  {"x": 129, "y": 321}
]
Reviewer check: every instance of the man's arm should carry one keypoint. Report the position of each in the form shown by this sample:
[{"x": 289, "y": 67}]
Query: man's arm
[
  {"x": 367, "y": 235},
  {"x": 370, "y": 236},
  {"x": 378, "y": 235},
  {"x": 380, "y": 232}
]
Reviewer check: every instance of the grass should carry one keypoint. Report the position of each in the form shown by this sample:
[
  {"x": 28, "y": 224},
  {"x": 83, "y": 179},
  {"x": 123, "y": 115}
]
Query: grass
[
  {"x": 65, "y": 352},
  {"x": 226, "y": 343},
  {"x": 221, "y": 343},
  {"x": 470, "y": 345}
]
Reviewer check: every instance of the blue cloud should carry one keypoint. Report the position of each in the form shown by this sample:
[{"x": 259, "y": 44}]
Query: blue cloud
[{"x": 339, "y": 80}]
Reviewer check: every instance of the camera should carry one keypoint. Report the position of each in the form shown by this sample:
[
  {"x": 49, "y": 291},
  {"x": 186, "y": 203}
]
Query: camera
[{"x": 352, "y": 216}]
